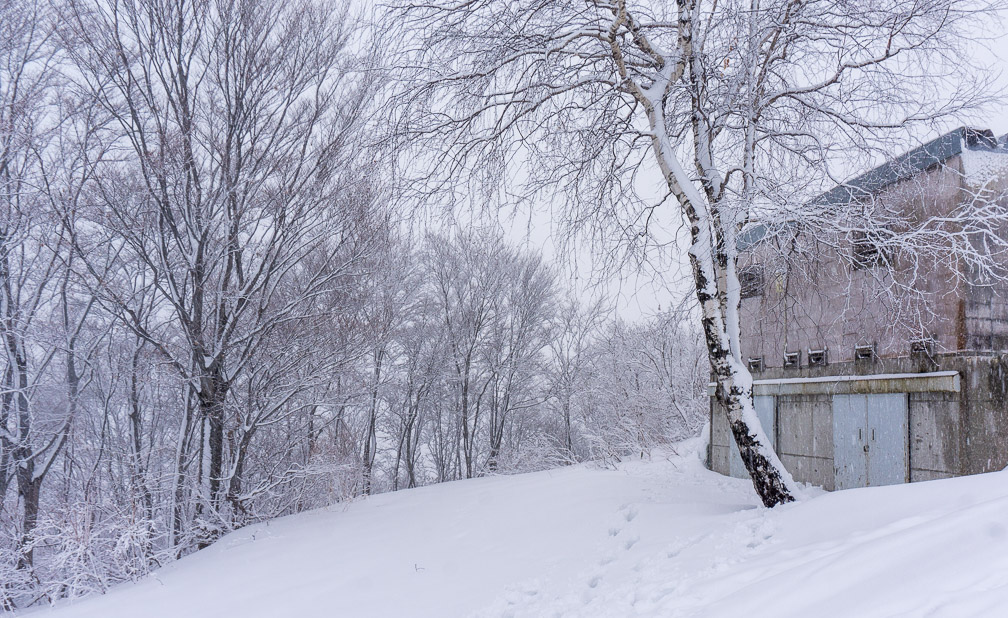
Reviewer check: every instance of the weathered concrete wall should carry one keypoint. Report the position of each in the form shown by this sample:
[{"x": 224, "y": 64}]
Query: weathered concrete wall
[
  {"x": 814, "y": 296},
  {"x": 985, "y": 414},
  {"x": 984, "y": 310},
  {"x": 950, "y": 433},
  {"x": 934, "y": 425}
]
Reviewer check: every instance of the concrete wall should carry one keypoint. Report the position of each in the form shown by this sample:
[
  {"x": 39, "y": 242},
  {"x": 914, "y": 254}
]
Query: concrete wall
[
  {"x": 720, "y": 440},
  {"x": 984, "y": 310},
  {"x": 984, "y": 445},
  {"x": 815, "y": 296},
  {"x": 935, "y": 444},
  {"x": 804, "y": 438},
  {"x": 950, "y": 433}
]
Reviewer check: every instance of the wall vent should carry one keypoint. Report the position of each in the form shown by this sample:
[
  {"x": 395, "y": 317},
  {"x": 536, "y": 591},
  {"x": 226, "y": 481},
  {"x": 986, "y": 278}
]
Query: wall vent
[
  {"x": 922, "y": 347},
  {"x": 818, "y": 358},
  {"x": 792, "y": 359},
  {"x": 866, "y": 251},
  {"x": 864, "y": 352}
]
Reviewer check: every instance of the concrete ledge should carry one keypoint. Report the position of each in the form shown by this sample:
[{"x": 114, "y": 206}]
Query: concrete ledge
[{"x": 934, "y": 382}]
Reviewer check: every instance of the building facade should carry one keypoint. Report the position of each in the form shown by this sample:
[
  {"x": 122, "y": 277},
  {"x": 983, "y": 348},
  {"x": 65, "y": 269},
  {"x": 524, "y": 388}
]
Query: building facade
[{"x": 876, "y": 362}]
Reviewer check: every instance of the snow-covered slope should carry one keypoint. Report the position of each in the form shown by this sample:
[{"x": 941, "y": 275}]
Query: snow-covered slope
[{"x": 663, "y": 537}]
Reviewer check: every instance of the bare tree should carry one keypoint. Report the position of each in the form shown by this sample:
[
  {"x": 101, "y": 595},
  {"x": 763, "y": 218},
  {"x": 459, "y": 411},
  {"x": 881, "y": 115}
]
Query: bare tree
[
  {"x": 387, "y": 301},
  {"x": 571, "y": 349},
  {"x": 46, "y": 168},
  {"x": 420, "y": 383},
  {"x": 466, "y": 281},
  {"x": 495, "y": 306},
  {"x": 232, "y": 201},
  {"x": 744, "y": 108},
  {"x": 644, "y": 385},
  {"x": 27, "y": 57},
  {"x": 515, "y": 348}
]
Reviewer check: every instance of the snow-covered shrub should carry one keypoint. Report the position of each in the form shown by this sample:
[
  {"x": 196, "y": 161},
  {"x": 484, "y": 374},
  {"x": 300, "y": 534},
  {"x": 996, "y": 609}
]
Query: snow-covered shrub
[{"x": 645, "y": 386}]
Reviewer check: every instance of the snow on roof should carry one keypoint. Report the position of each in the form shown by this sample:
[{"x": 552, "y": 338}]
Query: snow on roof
[{"x": 981, "y": 165}]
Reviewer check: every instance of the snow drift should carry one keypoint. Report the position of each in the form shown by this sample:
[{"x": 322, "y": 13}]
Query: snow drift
[{"x": 658, "y": 537}]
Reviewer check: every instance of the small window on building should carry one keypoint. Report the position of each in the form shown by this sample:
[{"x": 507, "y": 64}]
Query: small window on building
[
  {"x": 865, "y": 251},
  {"x": 818, "y": 358},
  {"x": 751, "y": 281},
  {"x": 864, "y": 352},
  {"x": 792, "y": 359},
  {"x": 756, "y": 363}
]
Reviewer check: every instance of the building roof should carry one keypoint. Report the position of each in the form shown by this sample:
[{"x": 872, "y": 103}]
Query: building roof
[{"x": 903, "y": 167}]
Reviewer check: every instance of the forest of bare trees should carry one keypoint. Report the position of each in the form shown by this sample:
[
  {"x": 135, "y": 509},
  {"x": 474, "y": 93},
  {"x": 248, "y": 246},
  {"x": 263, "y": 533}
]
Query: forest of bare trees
[{"x": 213, "y": 314}]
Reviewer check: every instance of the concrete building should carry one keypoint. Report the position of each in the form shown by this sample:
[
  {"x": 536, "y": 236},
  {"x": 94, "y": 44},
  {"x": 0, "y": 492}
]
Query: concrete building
[{"x": 875, "y": 365}]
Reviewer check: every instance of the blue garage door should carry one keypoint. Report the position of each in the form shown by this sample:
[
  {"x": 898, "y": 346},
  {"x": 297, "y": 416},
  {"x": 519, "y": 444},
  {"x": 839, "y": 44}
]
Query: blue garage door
[{"x": 870, "y": 440}]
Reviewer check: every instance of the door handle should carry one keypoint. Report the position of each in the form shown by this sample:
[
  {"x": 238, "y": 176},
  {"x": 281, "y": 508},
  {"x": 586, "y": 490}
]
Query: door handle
[{"x": 872, "y": 435}]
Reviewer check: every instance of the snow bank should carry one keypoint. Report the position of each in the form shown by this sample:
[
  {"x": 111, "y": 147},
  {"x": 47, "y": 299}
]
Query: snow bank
[{"x": 663, "y": 537}]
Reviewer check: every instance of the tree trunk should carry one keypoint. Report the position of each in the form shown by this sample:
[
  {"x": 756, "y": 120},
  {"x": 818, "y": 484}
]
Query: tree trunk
[
  {"x": 213, "y": 391},
  {"x": 23, "y": 459},
  {"x": 713, "y": 264},
  {"x": 5, "y": 445},
  {"x": 178, "y": 499},
  {"x": 139, "y": 482},
  {"x": 733, "y": 391},
  {"x": 371, "y": 438},
  {"x": 568, "y": 437},
  {"x": 466, "y": 438},
  {"x": 412, "y": 439},
  {"x": 234, "y": 493},
  {"x": 30, "y": 489}
]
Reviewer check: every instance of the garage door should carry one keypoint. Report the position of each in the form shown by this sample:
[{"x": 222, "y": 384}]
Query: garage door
[{"x": 870, "y": 440}]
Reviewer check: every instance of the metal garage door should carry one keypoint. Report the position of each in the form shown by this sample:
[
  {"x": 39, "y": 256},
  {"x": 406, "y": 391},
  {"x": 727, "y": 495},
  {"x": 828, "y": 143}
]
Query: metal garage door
[
  {"x": 766, "y": 412},
  {"x": 850, "y": 419},
  {"x": 870, "y": 440}
]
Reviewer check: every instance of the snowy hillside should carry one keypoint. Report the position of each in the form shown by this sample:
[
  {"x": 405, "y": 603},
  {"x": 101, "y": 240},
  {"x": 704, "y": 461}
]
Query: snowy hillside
[{"x": 654, "y": 538}]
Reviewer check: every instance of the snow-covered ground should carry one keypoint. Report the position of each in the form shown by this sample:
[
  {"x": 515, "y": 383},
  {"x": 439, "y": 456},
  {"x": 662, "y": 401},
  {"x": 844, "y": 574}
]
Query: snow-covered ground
[{"x": 663, "y": 537}]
